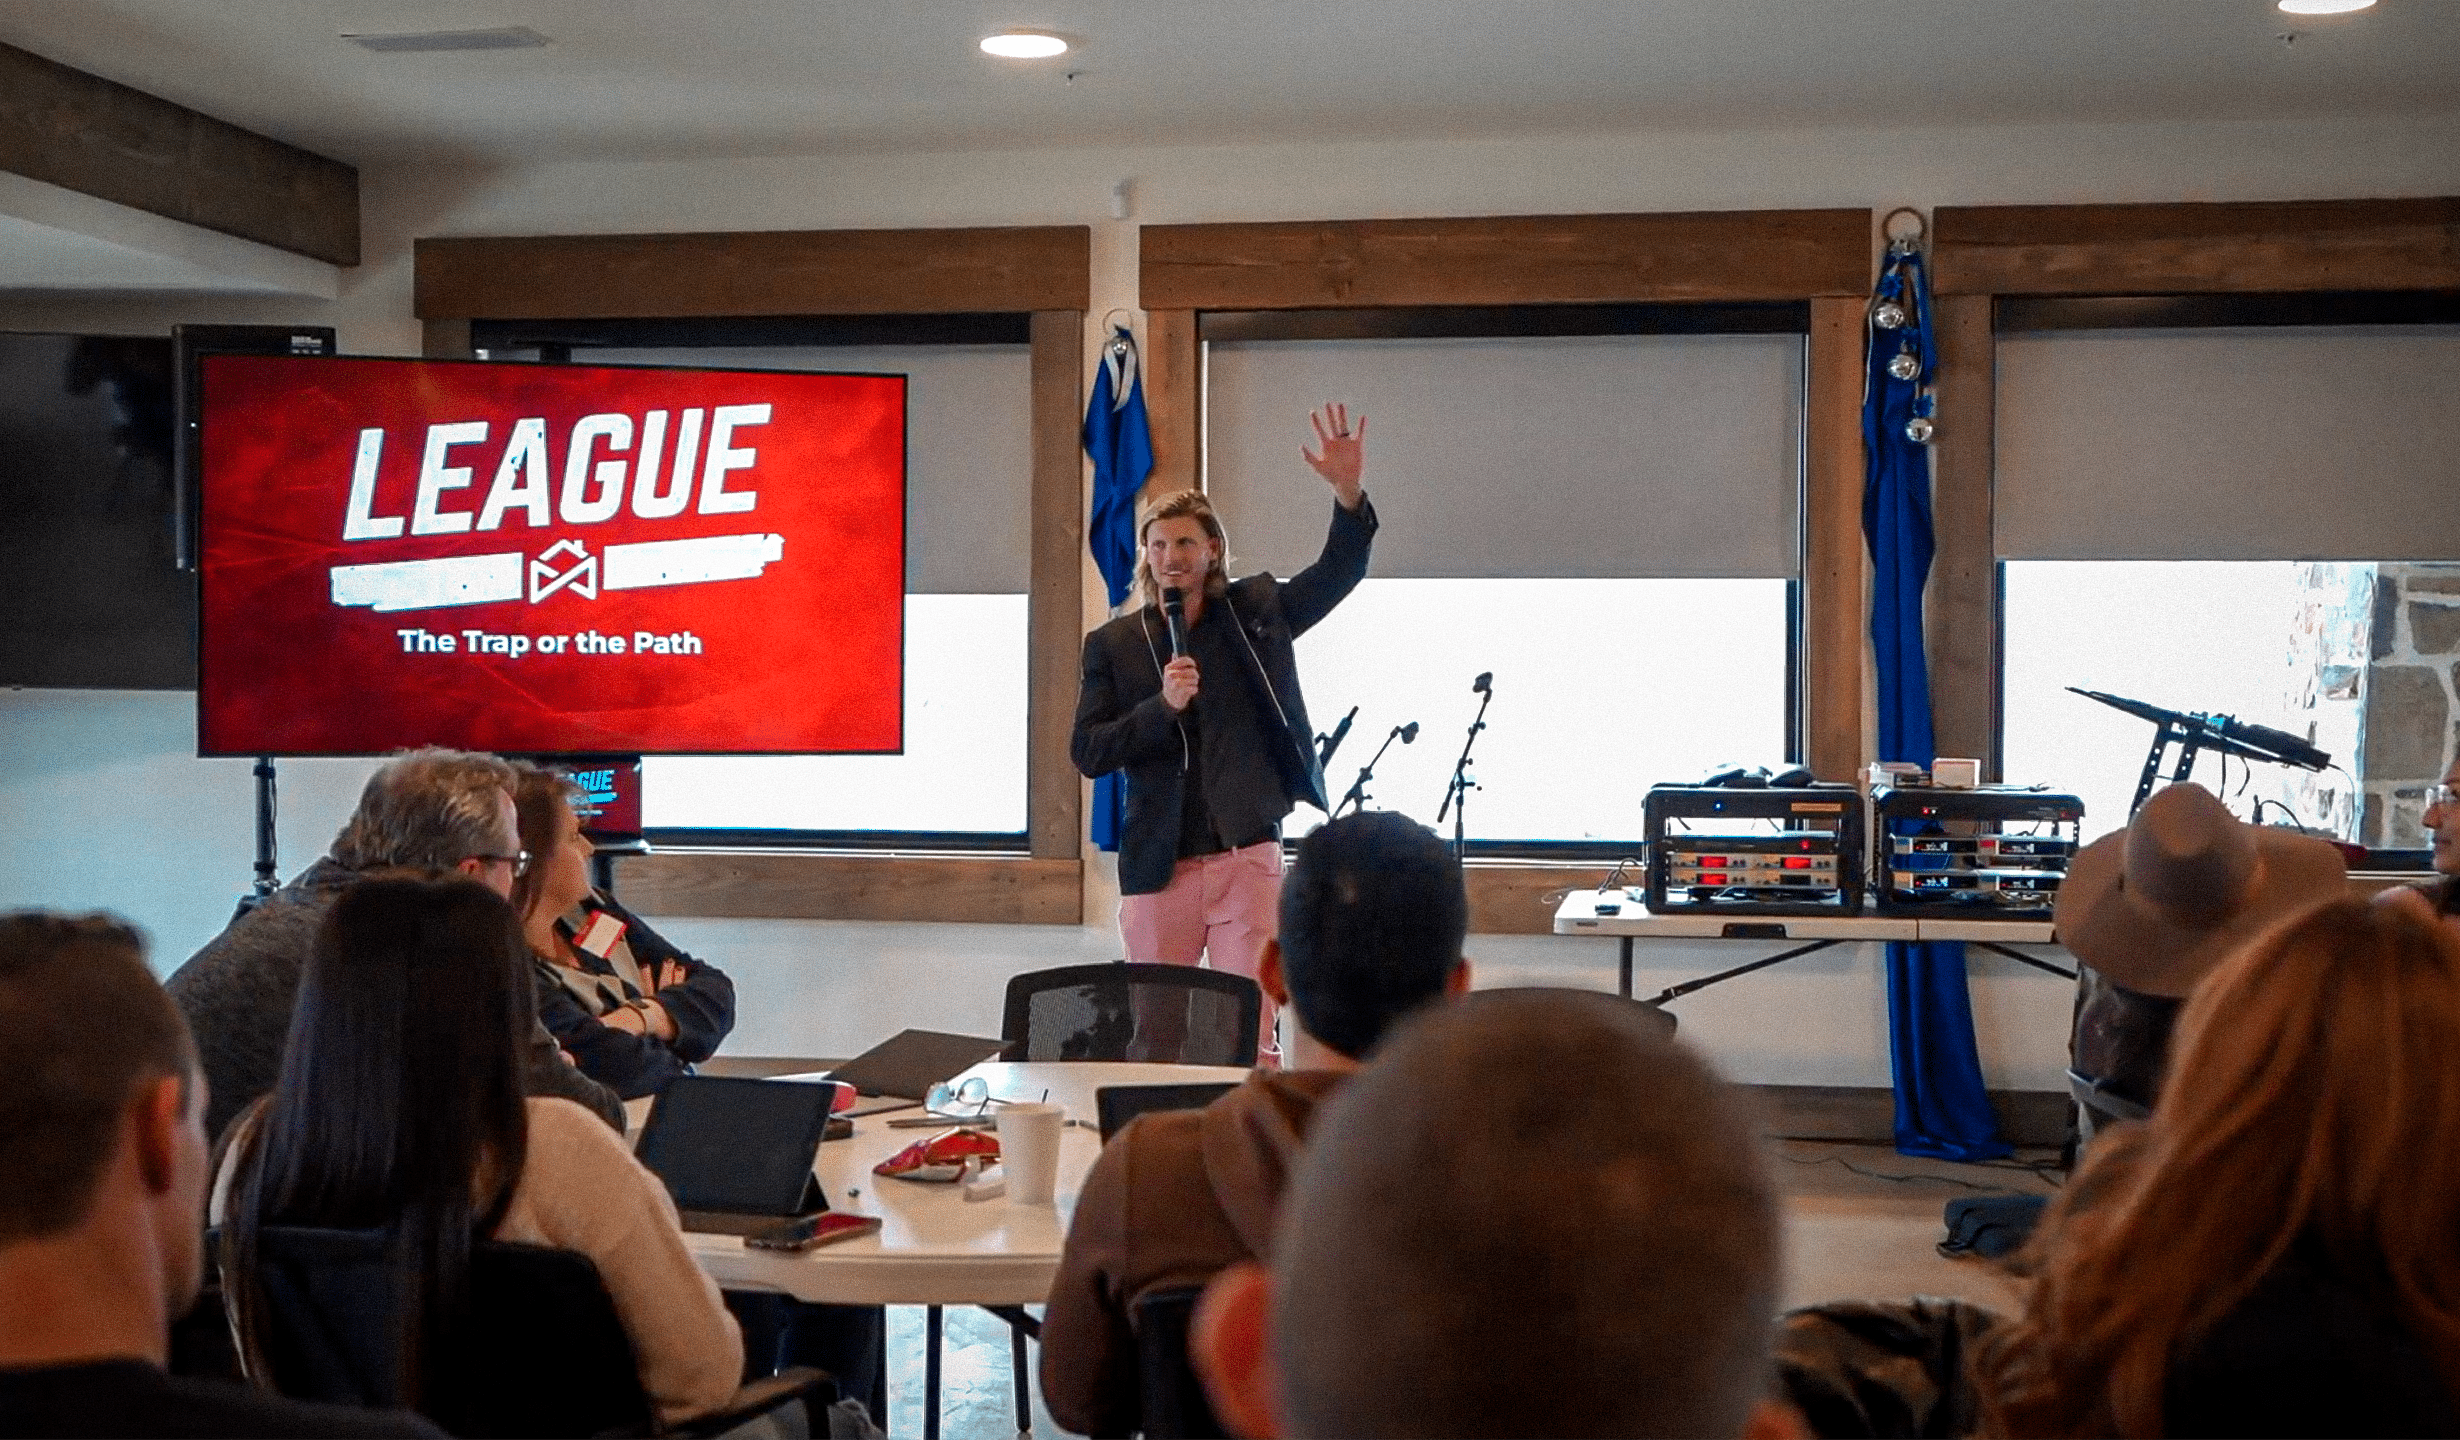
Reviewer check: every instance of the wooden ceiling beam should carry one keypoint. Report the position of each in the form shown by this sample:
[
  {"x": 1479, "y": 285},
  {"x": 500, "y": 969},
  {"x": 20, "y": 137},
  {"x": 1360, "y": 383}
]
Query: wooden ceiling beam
[{"x": 81, "y": 132}]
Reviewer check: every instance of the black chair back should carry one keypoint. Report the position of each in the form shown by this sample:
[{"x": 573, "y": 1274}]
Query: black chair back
[
  {"x": 1163, "y": 1014},
  {"x": 539, "y": 1351},
  {"x": 1168, "y": 1392}
]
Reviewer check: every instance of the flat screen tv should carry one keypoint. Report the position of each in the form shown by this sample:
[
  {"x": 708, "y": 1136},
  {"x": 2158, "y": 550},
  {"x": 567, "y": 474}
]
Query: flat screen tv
[
  {"x": 541, "y": 559},
  {"x": 96, "y": 598}
]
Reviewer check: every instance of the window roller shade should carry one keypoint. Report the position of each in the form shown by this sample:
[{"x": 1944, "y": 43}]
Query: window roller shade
[
  {"x": 969, "y": 449},
  {"x": 2229, "y": 444},
  {"x": 1590, "y": 456}
]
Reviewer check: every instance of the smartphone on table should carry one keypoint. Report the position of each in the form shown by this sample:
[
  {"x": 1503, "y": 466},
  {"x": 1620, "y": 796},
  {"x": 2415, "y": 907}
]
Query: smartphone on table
[{"x": 812, "y": 1231}]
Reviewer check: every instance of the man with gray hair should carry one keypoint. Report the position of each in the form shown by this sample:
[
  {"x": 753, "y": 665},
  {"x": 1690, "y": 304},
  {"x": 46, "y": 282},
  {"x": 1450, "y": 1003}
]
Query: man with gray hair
[
  {"x": 1534, "y": 1214},
  {"x": 426, "y": 810}
]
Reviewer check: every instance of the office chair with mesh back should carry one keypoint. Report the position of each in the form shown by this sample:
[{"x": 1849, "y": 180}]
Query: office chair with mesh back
[
  {"x": 1165, "y": 1014},
  {"x": 539, "y": 1351},
  {"x": 1168, "y": 1394}
]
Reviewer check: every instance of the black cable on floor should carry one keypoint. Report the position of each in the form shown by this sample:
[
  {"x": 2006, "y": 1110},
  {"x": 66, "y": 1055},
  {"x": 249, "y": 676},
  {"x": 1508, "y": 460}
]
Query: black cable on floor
[{"x": 1907, "y": 1178}]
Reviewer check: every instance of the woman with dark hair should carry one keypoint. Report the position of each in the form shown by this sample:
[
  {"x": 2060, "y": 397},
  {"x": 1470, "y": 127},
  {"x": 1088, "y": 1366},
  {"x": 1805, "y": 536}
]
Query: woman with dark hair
[
  {"x": 2276, "y": 1251},
  {"x": 630, "y": 1009},
  {"x": 634, "y": 1012},
  {"x": 400, "y": 1107}
]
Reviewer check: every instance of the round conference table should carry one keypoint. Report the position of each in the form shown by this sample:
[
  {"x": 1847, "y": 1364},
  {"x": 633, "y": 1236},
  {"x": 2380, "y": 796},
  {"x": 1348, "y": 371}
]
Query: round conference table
[{"x": 934, "y": 1246}]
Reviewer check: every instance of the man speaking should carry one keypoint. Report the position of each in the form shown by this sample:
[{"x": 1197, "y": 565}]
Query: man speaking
[{"x": 1195, "y": 695}]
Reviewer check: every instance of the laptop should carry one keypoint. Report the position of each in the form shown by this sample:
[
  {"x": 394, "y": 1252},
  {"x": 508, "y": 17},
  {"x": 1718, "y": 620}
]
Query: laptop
[
  {"x": 898, "y": 1072},
  {"x": 737, "y": 1153},
  {"x": 1118, "y": 1104}
]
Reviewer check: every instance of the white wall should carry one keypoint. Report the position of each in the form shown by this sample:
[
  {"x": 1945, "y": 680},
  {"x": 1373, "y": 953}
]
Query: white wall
[
  {"x": 104, "y": 806},
  {"x": 107, "y": 780}
]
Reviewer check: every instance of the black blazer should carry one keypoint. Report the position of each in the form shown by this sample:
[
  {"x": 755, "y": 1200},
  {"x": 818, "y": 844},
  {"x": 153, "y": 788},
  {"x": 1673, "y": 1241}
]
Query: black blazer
[{"x": 1259, "y": 749}]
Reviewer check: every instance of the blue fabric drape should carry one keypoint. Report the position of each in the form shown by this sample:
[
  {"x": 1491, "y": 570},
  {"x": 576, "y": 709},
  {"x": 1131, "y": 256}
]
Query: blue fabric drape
[
  {"x": 1942, "y": 1107},
  {"x": 1120, "y": 442}
]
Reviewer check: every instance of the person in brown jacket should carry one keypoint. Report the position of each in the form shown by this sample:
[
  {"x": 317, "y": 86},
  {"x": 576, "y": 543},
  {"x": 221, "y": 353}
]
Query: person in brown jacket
[{"x": 1372, "y": 919}]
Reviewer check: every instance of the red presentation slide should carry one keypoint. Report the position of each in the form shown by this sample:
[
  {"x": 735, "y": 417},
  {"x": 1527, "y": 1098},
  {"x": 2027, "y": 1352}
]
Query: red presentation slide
[{"x": 548, "y": 558}]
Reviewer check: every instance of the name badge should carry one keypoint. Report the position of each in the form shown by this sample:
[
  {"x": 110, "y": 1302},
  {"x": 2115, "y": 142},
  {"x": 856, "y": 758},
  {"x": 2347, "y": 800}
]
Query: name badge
[{"x": 601, "y": 935}]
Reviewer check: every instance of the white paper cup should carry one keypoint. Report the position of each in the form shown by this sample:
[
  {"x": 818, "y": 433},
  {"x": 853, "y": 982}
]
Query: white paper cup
[{"x": 1029, "y": 1151}]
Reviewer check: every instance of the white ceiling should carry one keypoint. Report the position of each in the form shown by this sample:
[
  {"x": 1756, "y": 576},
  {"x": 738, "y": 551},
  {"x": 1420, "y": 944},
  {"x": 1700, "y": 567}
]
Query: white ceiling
[{"x": 709, "y": 78}]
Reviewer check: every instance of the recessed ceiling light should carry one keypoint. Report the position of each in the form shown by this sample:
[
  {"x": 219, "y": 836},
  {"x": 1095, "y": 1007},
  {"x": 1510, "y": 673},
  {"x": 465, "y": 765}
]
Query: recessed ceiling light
[
  {"x": 1029, "y": 45},
  {"x": 510, "y": 37},
  {"x": 2324, "y": 7}
]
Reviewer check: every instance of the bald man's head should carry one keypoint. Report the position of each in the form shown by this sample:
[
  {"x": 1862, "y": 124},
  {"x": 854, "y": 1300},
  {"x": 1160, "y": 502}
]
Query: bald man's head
[{"x": 1536, "y": 1211}]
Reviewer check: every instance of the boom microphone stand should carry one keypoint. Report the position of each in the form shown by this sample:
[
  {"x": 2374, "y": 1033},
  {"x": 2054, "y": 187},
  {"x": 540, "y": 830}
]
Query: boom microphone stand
[
  {"x": 1357, "y": 794},
  {"x": 1456, "y": 793},
  {"x": 2193, "y": 731}
]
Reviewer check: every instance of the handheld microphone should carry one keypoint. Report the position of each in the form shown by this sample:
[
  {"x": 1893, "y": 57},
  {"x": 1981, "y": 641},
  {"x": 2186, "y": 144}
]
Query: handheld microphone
[
  {"x": 1174, "y": 610},
  {"x": 2290, "y": 748},
  {"x": 1485, "y": 678},
  {"x": 1409, "y": 733},
  {"x": 1333, "y": 741}
]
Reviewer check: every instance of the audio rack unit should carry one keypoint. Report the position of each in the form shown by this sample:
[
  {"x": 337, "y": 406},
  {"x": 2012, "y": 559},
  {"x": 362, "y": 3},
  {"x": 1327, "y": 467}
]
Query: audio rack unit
[
  {"x": 1718, "y": 850},
  {"x": 1956, "y": 851}
]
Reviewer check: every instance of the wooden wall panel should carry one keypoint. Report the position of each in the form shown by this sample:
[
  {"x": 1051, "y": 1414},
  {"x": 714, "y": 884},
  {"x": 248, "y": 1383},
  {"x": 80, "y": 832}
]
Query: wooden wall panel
[
  {"x": 2190, "y": 249},
  {"x": 782, "y": 272},
  {"x": 1055, "y": 610},
  {"x": 84, "y": 133},
  {"x": 987, "y": 889},
  {"x": 445, "y": 339},
  {"x": 1835, "y": 561},
  {"x": 1521, "y": 899},
  {"x": 1507, "y": 260},
  {"x": 1962, "y": 611},
  {"x": 1174, "y": 400}
]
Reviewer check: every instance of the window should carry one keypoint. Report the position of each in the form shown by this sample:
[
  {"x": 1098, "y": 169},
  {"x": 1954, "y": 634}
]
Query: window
[
  {"x": 2276, "y": 643},
  {"x": 2251, "y": 514},
  {"x": 1606, "y": 521},
  {"x": 963, "y": 769},
  {"x": 1602, "y": 688},
  {"x": 969, "y": 483}
]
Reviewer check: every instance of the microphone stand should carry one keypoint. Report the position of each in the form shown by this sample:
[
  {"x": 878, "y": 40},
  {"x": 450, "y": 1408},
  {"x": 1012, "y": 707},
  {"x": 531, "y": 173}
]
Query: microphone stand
[
  {"x": 1357, "y": 793},
  {"x": 1456, "y": 794}
]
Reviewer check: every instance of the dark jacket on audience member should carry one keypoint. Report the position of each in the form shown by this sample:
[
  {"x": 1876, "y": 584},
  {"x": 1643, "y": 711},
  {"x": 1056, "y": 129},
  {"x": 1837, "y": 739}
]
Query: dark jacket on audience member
[
  {"x": 1258, "y": 754},
  {"x": 238, "y": 992},
  {"x": 1177, "y": 1196},
  {"x": 703, "y": 1007},
  {"x": 2317, "y": 1349},
  {"x": 132, "y": 1398}
]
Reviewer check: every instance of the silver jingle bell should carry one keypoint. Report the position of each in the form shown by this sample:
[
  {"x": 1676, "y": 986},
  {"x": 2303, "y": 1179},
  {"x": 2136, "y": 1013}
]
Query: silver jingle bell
[
  {"x": 1888, "y": 315},
  {"x": 1918, "y": 429},
  {"x": 1904, "y": 365}
]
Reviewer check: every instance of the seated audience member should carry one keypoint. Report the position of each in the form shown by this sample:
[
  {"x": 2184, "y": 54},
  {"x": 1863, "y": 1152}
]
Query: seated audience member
[
  {"x": 1535, "y": 1214},
  {"x": 634, "y": 1012},
  {"x": 631, "y": 1010},
  {"x": 2439, "y": 897},
  {"x": 2149, "y": 910},
  {"x": 1371, "y": 922},
  {"x": 102, "y": 1195},
  {"x": 427, "y": 810},
  {"x": 400, "y": 1105},
  {"x": 2276, "y": 1251}
]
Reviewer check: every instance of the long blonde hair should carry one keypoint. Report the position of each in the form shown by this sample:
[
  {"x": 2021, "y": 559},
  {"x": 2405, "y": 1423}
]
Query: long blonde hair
[
  {"x": 2313, "y": 1093},
  {"x": 1180, "y": 504}
]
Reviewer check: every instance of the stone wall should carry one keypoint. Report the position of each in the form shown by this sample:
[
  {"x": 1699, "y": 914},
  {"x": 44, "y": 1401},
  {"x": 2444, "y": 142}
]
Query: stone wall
[
  {"x": 2329, "y": 647},
  {"x": 2409, "y": 731}
]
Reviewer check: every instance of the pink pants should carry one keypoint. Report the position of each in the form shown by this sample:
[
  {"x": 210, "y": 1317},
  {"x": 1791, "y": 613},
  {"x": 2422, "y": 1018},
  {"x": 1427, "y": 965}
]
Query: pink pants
[{"x": 1224, "y": 905}]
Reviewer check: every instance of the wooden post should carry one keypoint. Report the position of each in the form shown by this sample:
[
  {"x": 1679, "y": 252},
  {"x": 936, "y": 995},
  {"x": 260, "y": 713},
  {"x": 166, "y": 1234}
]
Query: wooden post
[{"x": 1835, "y": 566}]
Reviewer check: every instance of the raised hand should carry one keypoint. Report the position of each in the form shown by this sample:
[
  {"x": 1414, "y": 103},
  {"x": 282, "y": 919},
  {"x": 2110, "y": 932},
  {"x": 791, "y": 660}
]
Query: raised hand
[{"x": 1344, "y": 454}]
